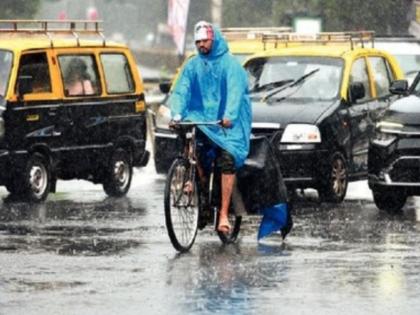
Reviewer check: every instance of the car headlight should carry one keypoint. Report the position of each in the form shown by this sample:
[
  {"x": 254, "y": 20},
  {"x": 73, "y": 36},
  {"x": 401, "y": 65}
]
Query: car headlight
[
  {"x": 389, "y": 127},
  {"x": 386, "y": 132},
  {"x": 301, "y": 133},
  {"x": 163, "y": 117},
  {"x": 384, "y": 139}
]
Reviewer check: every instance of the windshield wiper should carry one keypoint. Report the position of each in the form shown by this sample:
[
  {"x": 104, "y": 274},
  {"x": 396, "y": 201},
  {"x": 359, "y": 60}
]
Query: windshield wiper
[
  {"x": 294, "y": 83},
  {"x": 271, "y": 85}
]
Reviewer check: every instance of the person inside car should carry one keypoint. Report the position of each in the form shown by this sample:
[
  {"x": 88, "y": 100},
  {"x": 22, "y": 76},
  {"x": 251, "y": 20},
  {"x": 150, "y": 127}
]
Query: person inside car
[{"x": 77, "y": 80}]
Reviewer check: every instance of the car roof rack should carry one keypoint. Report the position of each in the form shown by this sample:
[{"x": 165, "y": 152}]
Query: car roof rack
[
  {"x": 250, "y": 33},
  {"x": 408, "y": 38},
  {"x": 76, "y": 28},
  {"x": 357, "y": 37}
]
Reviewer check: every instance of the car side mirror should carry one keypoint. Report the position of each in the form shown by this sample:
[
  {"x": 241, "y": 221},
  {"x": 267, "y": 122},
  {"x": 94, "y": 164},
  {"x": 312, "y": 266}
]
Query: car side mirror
[
  {"x": 357, "y": 91},
  {"x": 24, "y": 85},
  {"x": 399, "y": 87},
  {"x": 165, "y": 87}
]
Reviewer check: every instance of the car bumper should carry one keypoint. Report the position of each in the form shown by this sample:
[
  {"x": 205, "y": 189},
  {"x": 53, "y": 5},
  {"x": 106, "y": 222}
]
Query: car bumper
[
  {"x": 166, "y": 149},
  {"x": 302, "y": 165},
  {"x": 395, "y": 165}
]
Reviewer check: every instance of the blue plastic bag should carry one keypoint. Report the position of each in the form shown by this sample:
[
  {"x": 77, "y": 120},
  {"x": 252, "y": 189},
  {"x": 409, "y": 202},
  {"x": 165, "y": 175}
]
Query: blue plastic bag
[{"x": 275, "y": 218}]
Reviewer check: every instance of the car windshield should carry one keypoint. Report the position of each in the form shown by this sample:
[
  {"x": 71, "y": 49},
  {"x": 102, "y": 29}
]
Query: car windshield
[
  {"x": 5, "y": 66},
  {"x": 324, "y": 83},
  {"x": 410, "y": 64}
]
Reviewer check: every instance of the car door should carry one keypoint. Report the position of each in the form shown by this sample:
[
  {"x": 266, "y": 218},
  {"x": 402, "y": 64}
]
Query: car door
[
  {"x": 360, "y": 120},
  {"x": 382, "y": 77},
  {"x": 84, "y": 109},
  {"x": 34, "y": 116},
  {"x": 125, "y": 108}
]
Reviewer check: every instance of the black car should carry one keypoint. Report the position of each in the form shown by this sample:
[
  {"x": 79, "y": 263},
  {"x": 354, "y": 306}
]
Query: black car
[
  {"x": 71, "y": 107},
  {"x": 394, "y": 153},
  {"x": 318, "y": 104}
]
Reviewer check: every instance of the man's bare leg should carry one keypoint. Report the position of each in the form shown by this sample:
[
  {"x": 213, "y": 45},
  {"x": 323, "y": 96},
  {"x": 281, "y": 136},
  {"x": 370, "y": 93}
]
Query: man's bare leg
[{"x": 228, "y": 180}]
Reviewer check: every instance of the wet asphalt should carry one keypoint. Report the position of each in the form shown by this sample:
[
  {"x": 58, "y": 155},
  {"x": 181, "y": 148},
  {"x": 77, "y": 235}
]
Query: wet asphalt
[{"x": 83, "y": 253}]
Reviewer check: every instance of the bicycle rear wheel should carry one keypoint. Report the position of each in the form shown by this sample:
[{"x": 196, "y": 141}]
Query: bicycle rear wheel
[
  {"x": 235, "y": 222},
  {"x": 181, "y": 206}
]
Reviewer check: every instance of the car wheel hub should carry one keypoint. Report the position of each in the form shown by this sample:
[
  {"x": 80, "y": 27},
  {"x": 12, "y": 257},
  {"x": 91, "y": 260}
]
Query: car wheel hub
[
  {"x": 38, "y": 179},
  {"x": 339, "y": 177},
  {"x": 121, "y": 173}
]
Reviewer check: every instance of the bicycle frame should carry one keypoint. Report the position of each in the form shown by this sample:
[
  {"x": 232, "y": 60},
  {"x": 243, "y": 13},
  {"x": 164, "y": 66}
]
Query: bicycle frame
[
  {"x": 184, "y": 209},
  {"x": 190, "y": 148}
]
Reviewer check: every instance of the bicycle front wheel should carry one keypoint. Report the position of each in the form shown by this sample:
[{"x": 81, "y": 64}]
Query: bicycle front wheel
[{"x": 181, "y": 205}]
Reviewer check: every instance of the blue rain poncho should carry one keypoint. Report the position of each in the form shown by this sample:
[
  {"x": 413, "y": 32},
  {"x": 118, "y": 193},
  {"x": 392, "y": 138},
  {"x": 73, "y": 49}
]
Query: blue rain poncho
[{"x": 213, "y": 87}]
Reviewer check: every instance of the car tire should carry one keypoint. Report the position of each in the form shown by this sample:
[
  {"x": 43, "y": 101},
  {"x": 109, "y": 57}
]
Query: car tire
[
  {"x": 334, "y": 182},
  {"x": 34, "y": 181},
  {"x": 389, "y": 200},
  {"x": 12, "y": 187},
  {"x": 118, "y": 173}
]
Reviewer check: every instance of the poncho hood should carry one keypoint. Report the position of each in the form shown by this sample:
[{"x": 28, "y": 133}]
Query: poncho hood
[{"x": 218, "y": 48}]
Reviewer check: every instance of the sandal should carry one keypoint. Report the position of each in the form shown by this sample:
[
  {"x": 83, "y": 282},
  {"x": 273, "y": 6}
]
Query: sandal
[{"x": 224, "y": 225}]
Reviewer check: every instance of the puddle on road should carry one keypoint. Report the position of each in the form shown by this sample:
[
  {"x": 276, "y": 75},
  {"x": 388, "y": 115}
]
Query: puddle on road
[
  {"x": 107, "y": 227},
  {"x": 22, "y": 285}
]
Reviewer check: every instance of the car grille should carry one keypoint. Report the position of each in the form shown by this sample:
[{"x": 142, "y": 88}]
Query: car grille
[
  {"x": 267, "y": 132},
  {"x": 406, "y": 170}
]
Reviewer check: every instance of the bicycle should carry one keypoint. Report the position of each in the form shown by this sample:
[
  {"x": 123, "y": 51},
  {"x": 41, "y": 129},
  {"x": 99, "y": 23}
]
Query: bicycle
[{"x": 184, "y": 209}]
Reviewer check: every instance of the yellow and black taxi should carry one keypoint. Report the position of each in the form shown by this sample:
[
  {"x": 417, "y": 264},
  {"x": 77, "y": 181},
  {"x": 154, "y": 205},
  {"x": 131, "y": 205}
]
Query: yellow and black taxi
[
  {"x": 71, "y": 107},
  {"x": 394, "y": 152},
  {"x": 242, "y": 42},
  {"x": 317, "y": 97}
]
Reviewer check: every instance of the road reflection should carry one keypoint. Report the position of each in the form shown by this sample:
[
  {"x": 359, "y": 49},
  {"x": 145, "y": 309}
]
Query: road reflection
[{"x": 69, "y": 227}]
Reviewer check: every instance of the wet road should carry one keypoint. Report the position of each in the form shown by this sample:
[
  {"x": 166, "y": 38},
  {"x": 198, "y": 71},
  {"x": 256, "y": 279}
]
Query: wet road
[{"x": 83, "y": 253}]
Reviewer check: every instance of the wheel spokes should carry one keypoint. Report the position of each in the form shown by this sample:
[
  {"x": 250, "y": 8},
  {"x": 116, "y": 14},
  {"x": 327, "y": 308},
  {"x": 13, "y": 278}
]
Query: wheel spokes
[{"x": 184, "y": 214}]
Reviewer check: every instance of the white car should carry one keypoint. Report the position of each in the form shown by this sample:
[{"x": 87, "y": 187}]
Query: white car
[{"x": 406, "y": 50}]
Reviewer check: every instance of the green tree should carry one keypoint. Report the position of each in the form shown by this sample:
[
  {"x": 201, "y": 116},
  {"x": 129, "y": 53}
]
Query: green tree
[
  {"x": 384, "y": 17},
  {"x": 18, "y": 9},
  {"x": 237, "y": 13}
]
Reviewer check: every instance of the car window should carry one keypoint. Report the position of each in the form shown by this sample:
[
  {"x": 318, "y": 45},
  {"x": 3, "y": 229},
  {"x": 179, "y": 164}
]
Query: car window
[
  {"x": 36, "y": 66},
  {"x": 359, "y": 74},
  {"x": 79, "y": 74},
  {"x": 381, "y": 74},
  {"x": 118, "y": 75},
  {"x": 5, "y": 66}
]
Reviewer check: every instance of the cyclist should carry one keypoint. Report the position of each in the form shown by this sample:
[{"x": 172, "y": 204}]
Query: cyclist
[{"x": 213, "y": 86}]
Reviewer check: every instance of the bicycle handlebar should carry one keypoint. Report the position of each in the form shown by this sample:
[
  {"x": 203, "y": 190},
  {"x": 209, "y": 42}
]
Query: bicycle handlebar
[{"x": 198, "y": 123}]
